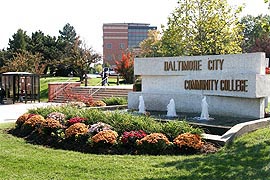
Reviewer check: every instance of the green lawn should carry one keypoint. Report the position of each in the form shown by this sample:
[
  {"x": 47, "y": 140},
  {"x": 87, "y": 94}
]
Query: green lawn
[
  {"x": 247, "y": 158},
  {"x": 44, "y": 85}
]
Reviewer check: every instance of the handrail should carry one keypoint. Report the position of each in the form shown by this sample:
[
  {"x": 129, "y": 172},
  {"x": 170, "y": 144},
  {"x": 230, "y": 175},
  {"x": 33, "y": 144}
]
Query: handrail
[
  {"x": 60, "y": 89},
  {"x": 101, "y": 82}
]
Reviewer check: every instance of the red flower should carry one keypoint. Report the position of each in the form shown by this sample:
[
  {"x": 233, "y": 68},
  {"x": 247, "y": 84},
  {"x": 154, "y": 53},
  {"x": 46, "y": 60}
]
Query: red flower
[
  {"x": 75, "y": 120},
  {"x": 132, "y": 136},
  {"x": 267, "y": 70}
]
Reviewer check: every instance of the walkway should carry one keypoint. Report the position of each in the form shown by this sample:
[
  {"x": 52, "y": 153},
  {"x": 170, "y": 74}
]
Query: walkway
[{"x": 10, "y": 112}]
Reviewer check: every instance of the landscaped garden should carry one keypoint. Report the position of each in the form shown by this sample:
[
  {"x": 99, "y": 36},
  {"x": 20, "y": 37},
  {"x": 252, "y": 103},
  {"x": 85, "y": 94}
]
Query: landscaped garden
[
  {"x": 246, "y": 158},
  {"x": 109, "y": 132}
]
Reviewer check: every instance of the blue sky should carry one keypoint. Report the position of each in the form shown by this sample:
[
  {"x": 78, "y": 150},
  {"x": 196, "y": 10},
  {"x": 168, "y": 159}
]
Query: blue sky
[{"x": 87, "y": 16}]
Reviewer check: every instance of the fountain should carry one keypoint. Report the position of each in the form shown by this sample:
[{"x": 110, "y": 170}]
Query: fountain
[
  {"x": 204, "y": 113},
  {"x": 171, "y": 109},
  {"x": 141, "y": 105}
]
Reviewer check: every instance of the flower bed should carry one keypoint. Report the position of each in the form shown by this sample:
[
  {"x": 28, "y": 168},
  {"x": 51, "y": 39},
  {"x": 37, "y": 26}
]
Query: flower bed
[{"x": 95, "y": 131}]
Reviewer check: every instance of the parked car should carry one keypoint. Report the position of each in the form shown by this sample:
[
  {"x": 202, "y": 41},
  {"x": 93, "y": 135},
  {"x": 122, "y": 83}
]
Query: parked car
[{"x": 111, "y": 71}]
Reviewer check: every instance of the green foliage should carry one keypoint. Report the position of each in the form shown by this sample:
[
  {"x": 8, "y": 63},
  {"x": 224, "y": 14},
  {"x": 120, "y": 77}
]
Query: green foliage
[
  {"x": 173, "y": 128},
  {"x": 119, "y": 120},
  {"x": 115, "y": 101},
  {"x": 256, "y": 34},
  {"x": 98, "y": 68},
  {"x": 19, "y": 41},
  {"x": 246, "y": 158},
  {"x": 25, "y": 61},
  {"x": 151, "y": 45},
  {"x": 45, "y": 54},
  {"x": 204, "y": 27}
]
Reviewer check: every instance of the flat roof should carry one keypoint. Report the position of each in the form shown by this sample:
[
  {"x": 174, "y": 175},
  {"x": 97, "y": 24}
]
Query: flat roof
[{"x": 17, "y": 73}]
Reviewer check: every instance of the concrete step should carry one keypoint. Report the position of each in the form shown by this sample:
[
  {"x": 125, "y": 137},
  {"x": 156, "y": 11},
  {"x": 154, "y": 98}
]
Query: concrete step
[{"x": 100, "y": 93}]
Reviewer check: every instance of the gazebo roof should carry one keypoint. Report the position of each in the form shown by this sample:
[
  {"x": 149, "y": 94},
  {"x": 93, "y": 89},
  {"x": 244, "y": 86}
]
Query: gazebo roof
[{"x": 17, "y": 73}]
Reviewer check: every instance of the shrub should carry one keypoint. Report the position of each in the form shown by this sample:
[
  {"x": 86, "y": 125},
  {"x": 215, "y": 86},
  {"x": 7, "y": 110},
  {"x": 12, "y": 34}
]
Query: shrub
[
  {"x": 34, "y": 121},
  {"x": 50, "y": 125},
  {"x": 75, "y": 120},
  {"x": 188, "y": 140},
  {"x": 127, "y": 122},
  {"x": 57, "y": 116},
  {"x": 130, "y": 137},
  {"x": 155, "y": 143},
  {"x": 22, "y": 119},
  {"x": 107, "y": 137},
  {"x": 174, "y": 128},
  {"x": 76, "y": 130},
  {"x": 76, "y": 104},
  {"x": 98, "y": 104},
  {"x": 98, "y": 127},
  {"x": 115, "y": 101}
]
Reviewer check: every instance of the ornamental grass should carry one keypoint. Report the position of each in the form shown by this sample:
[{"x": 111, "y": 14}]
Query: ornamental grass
[{"x": 76, "y": 130}]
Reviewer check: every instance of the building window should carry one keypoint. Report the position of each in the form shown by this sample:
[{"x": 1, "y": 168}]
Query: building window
[
  {"x": 122, "y": 46},
  {"x": 109, "y": 57},
  {"x": 109, "y": 46}
]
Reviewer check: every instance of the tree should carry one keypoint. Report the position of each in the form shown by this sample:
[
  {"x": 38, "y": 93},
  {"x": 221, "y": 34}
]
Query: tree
[
  {"x": 262, "y": 44},
  {"x": 68, "y": 34},
  {"x": 82, "y": 59},
  {"x": 25, "y": 62},
  {"x": 199, "y": 27},
  {"x": 47, "y": 46},
  {"x": 19, "y": 41},
  {"x": 256, "y": 33},
  {"x": 151, "y": 45},
  {"x": 98, "y": 68},
  {"x": 66, "y": 43},
  {"x": 125, "y": 67}
]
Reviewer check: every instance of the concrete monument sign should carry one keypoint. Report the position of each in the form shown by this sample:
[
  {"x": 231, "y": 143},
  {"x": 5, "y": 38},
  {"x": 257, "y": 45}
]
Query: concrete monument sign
[{"x": 235, "y": 85}]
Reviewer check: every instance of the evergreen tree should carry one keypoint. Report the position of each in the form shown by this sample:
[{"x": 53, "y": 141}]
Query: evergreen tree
[{"x": 19, "y": 41}]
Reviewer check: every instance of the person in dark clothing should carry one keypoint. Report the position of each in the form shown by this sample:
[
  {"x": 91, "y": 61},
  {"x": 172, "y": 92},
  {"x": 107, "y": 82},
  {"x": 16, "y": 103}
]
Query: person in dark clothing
[
  {"x": 105, "y": 75},
  {"x": 2, "y": 95}
]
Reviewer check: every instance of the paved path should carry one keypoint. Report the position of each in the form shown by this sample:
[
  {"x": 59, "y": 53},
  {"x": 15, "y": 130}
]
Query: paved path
[{"x": 10, "y": 112}]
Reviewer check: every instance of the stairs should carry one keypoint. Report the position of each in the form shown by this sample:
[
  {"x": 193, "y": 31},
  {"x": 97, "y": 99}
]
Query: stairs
[{"x": 98, "y": 92}]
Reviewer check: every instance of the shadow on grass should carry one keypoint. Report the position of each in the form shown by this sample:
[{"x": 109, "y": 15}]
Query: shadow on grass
[{"x": 241, "y": 162}]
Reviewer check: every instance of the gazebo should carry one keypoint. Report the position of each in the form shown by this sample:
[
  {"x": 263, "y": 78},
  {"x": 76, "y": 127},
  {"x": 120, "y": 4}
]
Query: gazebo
[{"x": 20, "y": 86}]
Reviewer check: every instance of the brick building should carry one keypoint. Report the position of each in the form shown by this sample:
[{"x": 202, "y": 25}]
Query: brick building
[{"x": 118, "y": 37}]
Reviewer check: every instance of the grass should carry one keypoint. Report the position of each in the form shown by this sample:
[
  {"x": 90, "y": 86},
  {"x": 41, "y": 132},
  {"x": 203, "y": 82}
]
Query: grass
[
  {"x": 44, "y": 85},
  {"x": 91, "y": 82},
  {"x": 247, "y": 158}
]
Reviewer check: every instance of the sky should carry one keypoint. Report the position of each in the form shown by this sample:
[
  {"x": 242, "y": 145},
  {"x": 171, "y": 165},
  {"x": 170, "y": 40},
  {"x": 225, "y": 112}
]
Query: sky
[{"x": 88, "y": 16}]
